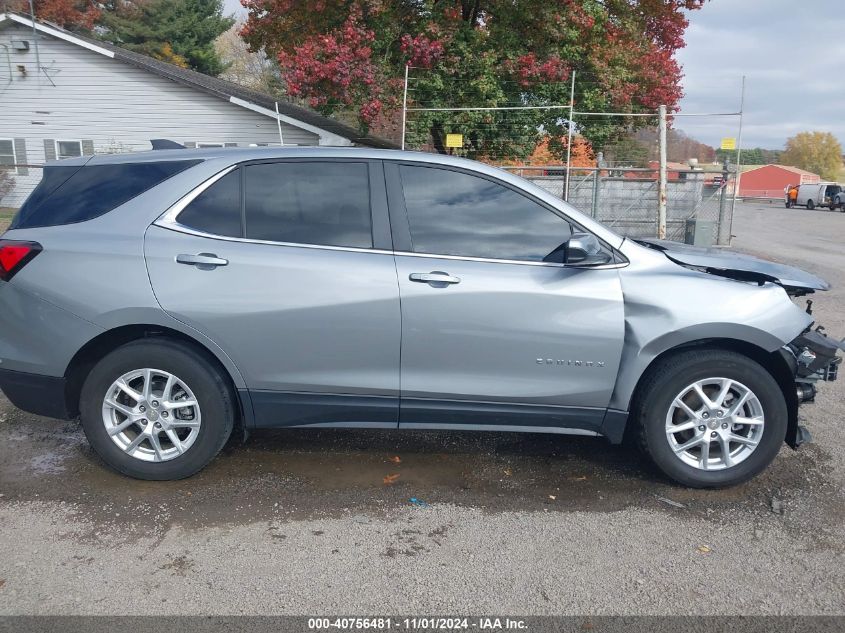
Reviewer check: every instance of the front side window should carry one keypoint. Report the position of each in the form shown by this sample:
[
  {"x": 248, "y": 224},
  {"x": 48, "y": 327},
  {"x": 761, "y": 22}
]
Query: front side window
[
  {"x": 217, "y": 210},
  {"x": 68, "y": 149},
  {"x": 453, "y": 213},
  {"x": 323, "y": 203}
]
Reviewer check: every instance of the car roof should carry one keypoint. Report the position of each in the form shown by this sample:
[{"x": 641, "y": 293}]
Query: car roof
[{"x": 240, "y": 154}]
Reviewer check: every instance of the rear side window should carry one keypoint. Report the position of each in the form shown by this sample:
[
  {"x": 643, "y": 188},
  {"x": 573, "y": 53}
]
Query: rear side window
[
  {"x": 217, "y": 210},
  {"x": 324, "y": 203},
  {"x": 74, "y": 194}
]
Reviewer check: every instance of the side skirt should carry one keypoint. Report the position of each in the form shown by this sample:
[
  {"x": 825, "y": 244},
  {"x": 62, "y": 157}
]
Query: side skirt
[
  {"x": 419, "y": 413},
  {"x": 278, "y": 409}
]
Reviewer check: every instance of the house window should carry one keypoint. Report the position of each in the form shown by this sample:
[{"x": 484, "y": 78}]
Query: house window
[
  {"x": 68, "y": 149},
  {"x": 7, "y": 153}
]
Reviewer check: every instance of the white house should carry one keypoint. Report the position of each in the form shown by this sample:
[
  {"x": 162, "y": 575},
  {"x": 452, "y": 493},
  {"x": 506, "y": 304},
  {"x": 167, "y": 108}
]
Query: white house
[{"x": 64, "y": 95}]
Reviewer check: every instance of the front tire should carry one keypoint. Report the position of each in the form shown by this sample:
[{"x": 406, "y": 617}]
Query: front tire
[
  {"x": 710, "y": 418},
  {"x": 156, "y": 410}
]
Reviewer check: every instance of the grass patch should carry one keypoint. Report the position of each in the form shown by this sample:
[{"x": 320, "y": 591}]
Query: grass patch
[{"x": 6, "y": 215}]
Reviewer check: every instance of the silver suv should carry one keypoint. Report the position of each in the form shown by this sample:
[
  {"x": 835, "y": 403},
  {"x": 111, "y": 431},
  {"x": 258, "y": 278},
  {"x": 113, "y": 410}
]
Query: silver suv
[{"x": 170, "y": 297}]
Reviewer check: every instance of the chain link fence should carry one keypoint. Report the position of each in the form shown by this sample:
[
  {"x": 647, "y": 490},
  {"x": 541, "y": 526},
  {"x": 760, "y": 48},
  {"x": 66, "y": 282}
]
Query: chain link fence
[
  {"x": 698, "y": 206},
  {"x": 637, "y": 172}
]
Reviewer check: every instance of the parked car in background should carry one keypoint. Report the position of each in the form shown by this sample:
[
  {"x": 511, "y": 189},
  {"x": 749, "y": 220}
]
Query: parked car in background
[
  {"x": 170, "y": 297},
  {"x": 819, "y": 194},
  {"x": 838, "y": 201}
]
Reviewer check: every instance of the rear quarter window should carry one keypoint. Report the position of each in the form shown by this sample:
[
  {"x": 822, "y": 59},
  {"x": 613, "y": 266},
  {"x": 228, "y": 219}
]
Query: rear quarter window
[{"x": 67, "y": 195}]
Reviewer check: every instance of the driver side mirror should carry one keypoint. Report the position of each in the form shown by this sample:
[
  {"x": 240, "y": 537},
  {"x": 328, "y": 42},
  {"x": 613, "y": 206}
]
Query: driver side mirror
[{"x": 586, "y": 250}]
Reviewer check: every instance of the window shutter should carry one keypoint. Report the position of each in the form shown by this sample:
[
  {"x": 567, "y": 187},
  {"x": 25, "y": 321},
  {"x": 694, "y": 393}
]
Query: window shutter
[
  {"x": 190, "y": 144},
  {"x": 20, "y": 156},
  {"x": 230, "y": 144},
  {"x": 87, "y": 147},
  {"x": 49, "y": 149}
]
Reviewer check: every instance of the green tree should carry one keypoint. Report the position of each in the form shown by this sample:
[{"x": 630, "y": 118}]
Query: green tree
[
  {"x": 177, "y": 31},
  {"x": 348, "y": 57},
  {"x": 626, "y": 152},
  {"x": 750, "y": 156},
  {"x": 818, "y": 152}
]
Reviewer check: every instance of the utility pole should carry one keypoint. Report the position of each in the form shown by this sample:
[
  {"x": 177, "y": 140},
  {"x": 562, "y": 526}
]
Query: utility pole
[{"x": 662, "y": 175}]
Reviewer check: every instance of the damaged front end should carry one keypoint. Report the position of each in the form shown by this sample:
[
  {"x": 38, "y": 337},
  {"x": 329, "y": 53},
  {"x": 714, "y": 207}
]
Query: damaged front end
[
  {"x": 812, "y": 356},
  {"x": 739, "y": 266}
]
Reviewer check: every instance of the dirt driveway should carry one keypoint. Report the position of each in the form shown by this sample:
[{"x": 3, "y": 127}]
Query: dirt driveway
[{"x": 302, "y": 522}]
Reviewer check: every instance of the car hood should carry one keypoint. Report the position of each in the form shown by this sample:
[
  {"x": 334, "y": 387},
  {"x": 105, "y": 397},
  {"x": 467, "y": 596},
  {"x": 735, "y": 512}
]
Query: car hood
[{"x": 740, "y": 266}]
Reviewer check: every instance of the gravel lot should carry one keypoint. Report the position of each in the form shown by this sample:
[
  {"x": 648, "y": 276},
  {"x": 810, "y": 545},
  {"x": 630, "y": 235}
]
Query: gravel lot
[{"x": 302, "y": 523}]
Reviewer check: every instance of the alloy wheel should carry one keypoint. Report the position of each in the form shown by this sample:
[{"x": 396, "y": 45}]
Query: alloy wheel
[
  {"x": 151, "y": 415},
  {"x": 715, "y": 423}
]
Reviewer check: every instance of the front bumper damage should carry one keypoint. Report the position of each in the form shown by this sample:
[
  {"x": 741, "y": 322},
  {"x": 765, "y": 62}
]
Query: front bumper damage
[{"x": 813, "y": 358}]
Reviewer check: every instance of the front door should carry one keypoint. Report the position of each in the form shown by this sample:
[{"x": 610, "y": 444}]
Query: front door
[
  {"x": 497, "y": 331},
  {"x": 279, "y": 263}
]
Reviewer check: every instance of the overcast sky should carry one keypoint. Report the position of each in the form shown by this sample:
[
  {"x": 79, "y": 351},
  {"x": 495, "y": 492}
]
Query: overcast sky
[{"x": 792, "y": 53}]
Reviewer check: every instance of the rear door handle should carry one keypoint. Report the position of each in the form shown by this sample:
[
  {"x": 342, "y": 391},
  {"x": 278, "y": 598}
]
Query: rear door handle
[
  {"x": 203, "y": 261},
  {"x": 434, "y": 277}
]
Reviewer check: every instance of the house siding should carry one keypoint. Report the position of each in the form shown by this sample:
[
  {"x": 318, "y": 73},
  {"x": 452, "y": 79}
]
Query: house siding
[{"x": 110, "y": 106}]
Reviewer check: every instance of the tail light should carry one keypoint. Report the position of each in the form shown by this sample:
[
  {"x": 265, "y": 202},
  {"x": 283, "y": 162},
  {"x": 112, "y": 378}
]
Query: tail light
[{"x": 15, "y": 255}]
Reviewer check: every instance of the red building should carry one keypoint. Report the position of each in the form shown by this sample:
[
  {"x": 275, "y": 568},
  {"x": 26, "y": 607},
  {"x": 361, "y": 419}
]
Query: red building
[{"x": 771, "y": 181}]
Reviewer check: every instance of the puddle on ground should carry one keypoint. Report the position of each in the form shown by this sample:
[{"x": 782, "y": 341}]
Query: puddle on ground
[{"x": 280, "y": 475}]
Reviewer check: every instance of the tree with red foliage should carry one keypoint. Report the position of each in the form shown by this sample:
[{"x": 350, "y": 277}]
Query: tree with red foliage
[
  {"x": 349, "y": 55},
  {"x": 69, "y": 14}
]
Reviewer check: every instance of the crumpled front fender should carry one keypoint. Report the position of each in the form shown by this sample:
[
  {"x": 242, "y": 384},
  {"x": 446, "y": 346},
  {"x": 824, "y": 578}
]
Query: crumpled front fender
[{"x": 668, "y": 306}]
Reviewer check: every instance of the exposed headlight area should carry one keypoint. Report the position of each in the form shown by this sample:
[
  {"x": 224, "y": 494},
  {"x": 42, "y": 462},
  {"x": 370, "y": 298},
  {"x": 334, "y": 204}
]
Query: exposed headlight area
[{"x": 816, "y": 359}]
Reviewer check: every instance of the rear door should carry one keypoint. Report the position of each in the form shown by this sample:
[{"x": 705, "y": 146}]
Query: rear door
[
  {"x": 497, "y": 331},
  {"x": 286, "y": 265}
]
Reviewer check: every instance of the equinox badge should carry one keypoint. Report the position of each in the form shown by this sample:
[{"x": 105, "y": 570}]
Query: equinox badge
[{"x": 570, "y": 363}]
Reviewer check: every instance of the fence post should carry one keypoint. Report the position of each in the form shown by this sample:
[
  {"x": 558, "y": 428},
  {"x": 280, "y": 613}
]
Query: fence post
[
  {"x": 723, "y": 199},
  {"x": 404, "y": 106},
  {"x": 725, "y": 238},
  {"x": 662, "y": 177},
  {"x": 597, "y": 185},
  {"x": 571, "y": 131}
]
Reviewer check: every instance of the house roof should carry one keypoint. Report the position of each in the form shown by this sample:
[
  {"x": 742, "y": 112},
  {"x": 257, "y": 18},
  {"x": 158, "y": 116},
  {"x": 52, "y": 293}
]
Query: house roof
[
  {"x": 329, "y": 130},
  {"x": 794, "y": 170}
]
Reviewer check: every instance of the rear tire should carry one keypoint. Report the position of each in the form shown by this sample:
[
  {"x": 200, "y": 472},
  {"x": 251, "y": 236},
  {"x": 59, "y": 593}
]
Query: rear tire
[
  {"x": 657, "y": 414},
  {"x": 114, "y": 420},
  {"x": 810, "y": 205}
]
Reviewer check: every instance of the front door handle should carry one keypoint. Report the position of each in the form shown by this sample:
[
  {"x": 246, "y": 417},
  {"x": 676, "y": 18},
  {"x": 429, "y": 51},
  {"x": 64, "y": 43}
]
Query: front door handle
[
  {"x": 203, "y": 261},
  {"x": 434, "y": 277}
]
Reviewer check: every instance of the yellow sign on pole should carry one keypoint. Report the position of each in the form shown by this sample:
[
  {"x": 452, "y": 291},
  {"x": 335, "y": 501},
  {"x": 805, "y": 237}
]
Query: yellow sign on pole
[
  {"x": 454, "y": 140},
  {"x": 728, "y": 143}
]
